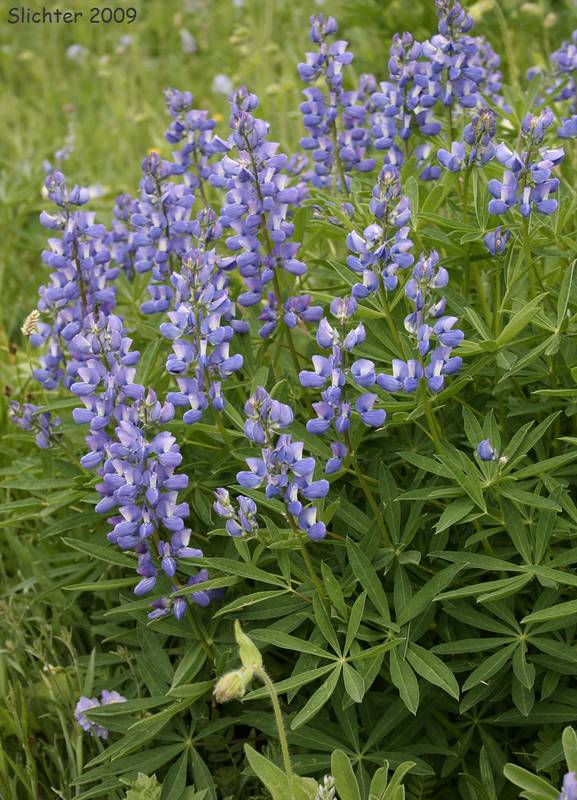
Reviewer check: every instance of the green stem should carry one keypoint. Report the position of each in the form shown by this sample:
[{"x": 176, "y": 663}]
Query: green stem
[
  {"x": 497, "y": 299},
  {"x": 200, "y": 633},
  {"x": 263, "y": 676},
  {"x": 368, "y": 494},
  {"x": 467, "y": 281},
  {"x": 338, "y": 161},
  {"x": 223, "y": 432},
  {"x": 287, "y": 330},
  {"x": 308, "y": 563},
  {"x": 389, "y": 317},
  {"x": 531, "y": 267},
  {"x": 430, "y": 418}
]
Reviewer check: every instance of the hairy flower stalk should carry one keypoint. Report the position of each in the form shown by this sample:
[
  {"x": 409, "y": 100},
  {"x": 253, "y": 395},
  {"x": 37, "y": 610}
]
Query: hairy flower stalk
[{"x": 233, "y": 685}]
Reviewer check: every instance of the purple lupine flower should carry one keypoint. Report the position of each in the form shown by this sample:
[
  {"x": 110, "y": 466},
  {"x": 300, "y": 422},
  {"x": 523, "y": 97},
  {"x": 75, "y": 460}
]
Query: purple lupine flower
[
  {"x": 478, "y": 134},
  {"x": 241, "y": 521},
  {"x": 564, "y": 63},
  {"x": 336, "y": 136},
  {"x": 568, "y": 128},
  {"x": 405, "y": 101},
  {"x": 384, "y": 246},
  {"x": 86, "y": 703},
  {"x": 569, "y": 790},
  {"x": 486, "y": 451},
  {"x": 80, "y": 280},
  {"x": 256, "y": 210},
  {"x": 201, "y": 327},
  {"x": 122, "y": 234},
  {"x": 31, "y": 418},
  {"x": 282, "y": 468},
  {"x": 339, "y": 452},
  {"x": 451, "y": 52},
  {"x": 496, "y": 241},
  {"x": 527, "y": 183},
  {"x": 168, "y": 191},
  {"x": 426, "y": 324}
]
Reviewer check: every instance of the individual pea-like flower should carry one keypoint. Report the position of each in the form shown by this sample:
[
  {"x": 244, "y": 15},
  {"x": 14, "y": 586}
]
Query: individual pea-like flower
[
  {"x": 335, "y": 462},
  {"x": 86, "y": 703},
  {"x": 486, "y": 451},
  {"x": 240, "y": 521},
  {"x": 496, "y": 241},
  {"x": 569, "y": 789},
  {"x": 568, "y": 128}
]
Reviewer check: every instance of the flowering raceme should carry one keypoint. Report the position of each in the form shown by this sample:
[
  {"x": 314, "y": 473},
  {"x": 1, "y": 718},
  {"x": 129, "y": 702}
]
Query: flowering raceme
[
  {"x": 337, "y": 138},
  {"x": 201, "y": 357},
  {"x": 527, "y": 183},
  {"x": 385, "y": 245},
  {"x": 258, "y": 199},
  {"x": 282, "y": 467},
  {"x": 29, "y": 417}
]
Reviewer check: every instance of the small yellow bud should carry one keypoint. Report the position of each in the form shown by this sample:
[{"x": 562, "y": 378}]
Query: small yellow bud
[
  {"x": 232, "y": 685},
  {"x": 248, "y": 652},
  {"x": 550, "y": 20}
]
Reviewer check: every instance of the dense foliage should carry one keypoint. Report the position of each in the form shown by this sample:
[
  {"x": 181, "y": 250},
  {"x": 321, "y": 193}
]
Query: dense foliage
[{"x": 328, "y": 396}]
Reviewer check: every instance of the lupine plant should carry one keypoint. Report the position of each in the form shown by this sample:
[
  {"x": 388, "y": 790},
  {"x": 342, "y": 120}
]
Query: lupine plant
[{"x": 313, "y": 405}]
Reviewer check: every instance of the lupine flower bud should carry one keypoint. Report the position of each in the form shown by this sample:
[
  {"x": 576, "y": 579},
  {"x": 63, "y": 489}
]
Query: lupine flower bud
[
  {"x": 247, "y": 650},
  {"x": 326, "y": 790},
  {"x": 485, "y": 451},
  {"x": 232, "y": 685}
]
